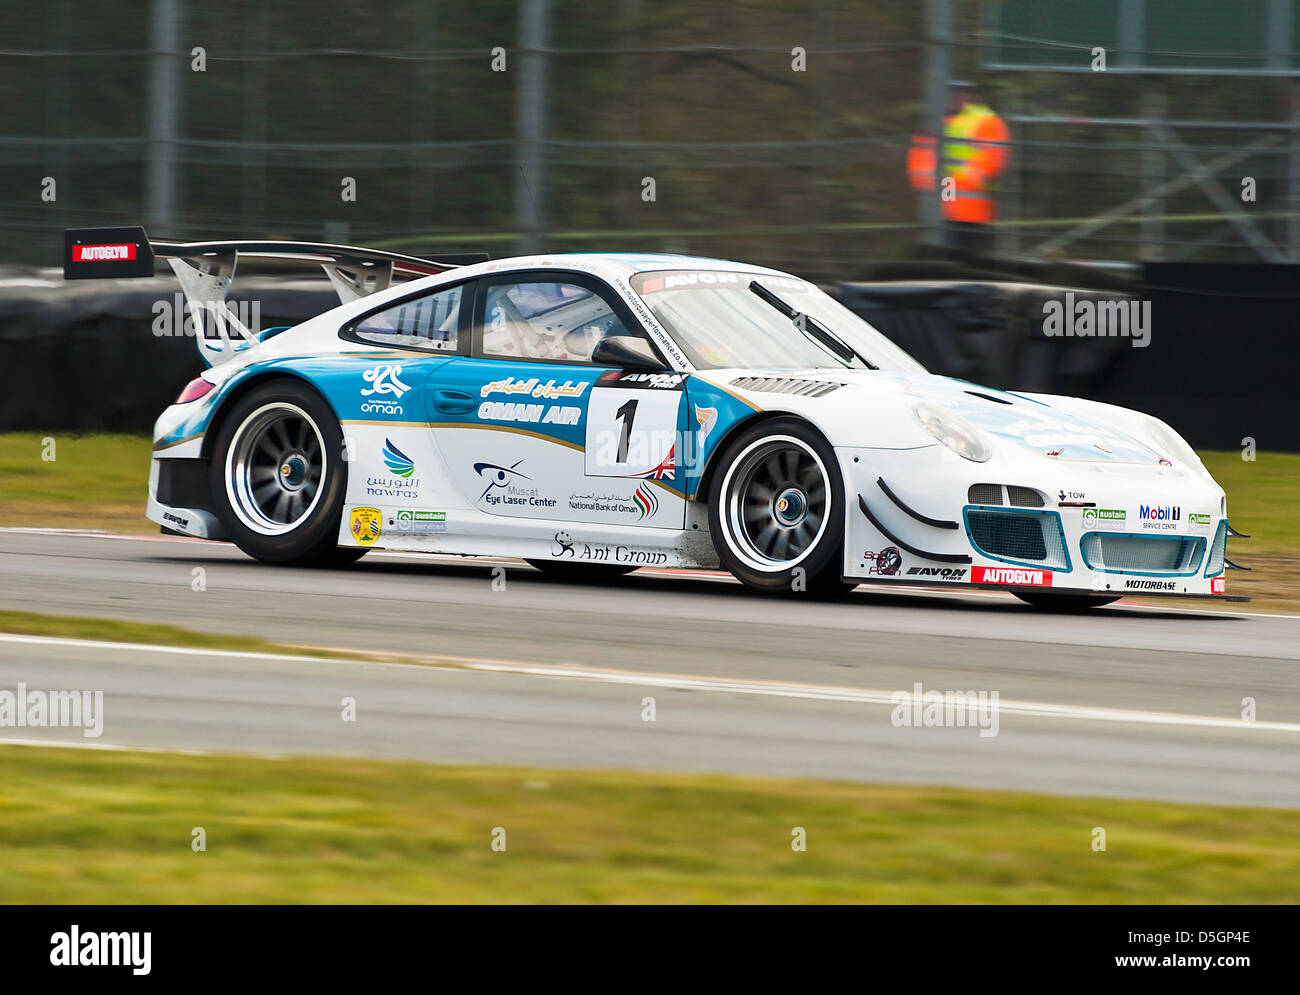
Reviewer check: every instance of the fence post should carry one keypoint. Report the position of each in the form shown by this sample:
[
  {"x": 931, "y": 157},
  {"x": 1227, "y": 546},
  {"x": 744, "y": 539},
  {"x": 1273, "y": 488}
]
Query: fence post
[
  {"x": 530, "y": 125},
  {"x": 938, "y": 37},
  {"x": 164, "y": 112}
]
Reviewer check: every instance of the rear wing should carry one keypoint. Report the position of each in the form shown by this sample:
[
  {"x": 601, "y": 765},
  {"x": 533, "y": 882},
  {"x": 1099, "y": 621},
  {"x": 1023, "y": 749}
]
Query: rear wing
[{"x": 206, "y": 270}]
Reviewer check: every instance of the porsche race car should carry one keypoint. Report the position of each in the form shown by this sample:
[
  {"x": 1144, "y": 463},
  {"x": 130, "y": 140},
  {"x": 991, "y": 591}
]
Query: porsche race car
[{"x": 596, "y": 413}]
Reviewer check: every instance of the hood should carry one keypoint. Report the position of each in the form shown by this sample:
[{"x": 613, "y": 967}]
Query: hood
[{"x": 1031, "y": 423}]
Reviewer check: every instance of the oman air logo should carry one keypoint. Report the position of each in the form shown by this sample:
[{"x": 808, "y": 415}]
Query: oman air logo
[
  {"x": 398, "y": 463},
  {"x": 646, "y": 501},
  {"x": 706, "y": 419},
  {"x": 497, "y": 476}
]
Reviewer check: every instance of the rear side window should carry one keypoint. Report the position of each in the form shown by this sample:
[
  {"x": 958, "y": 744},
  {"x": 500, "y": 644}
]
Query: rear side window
[{"x": 429, "y": 322}]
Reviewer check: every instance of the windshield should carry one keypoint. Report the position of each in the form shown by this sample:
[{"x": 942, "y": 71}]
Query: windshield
[{"x": 720, "y": 323}]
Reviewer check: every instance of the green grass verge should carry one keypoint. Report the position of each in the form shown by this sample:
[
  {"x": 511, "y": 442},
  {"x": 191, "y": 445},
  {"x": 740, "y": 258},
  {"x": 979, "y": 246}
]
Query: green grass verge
[
  {"x": 98, "y": 482},
  {"x": 84, "y": 826},
  {"x": 119, "y": 631},
  {"x": 1263, "y": 497},
  {"x": 93, "y": 482}
]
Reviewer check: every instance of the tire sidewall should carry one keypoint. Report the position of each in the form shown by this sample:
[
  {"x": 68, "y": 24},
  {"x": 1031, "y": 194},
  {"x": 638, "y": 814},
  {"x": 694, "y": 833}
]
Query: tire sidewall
[
  {"x": 315, "y": 538},
  {"x": 823, "y": 564}
]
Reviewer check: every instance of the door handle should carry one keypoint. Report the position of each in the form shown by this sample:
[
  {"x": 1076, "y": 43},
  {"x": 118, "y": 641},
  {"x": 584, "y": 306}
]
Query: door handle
[{"x": 454, "y": 402}]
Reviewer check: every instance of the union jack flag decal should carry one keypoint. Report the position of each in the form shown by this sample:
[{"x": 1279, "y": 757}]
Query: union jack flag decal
[{"x": 665, "y": 470}]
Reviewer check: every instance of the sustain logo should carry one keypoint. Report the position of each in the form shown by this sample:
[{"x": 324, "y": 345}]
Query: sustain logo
[
  {"x": 1103, "y": 516},
  {"x": 398, "y": 463}
]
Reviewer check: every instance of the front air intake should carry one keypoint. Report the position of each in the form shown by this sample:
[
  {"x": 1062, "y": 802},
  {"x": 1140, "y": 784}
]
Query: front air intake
[
  {"x": 1017, "y": 497},
  {"x": 787, "y": 385},
  {"x": 1029, "y": 538},
  {"x": 1149, "y": 556}
]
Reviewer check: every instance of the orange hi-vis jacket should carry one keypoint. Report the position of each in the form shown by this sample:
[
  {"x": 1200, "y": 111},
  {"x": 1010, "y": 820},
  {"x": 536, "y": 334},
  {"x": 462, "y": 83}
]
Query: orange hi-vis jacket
[{"x": 975, "y": 154}]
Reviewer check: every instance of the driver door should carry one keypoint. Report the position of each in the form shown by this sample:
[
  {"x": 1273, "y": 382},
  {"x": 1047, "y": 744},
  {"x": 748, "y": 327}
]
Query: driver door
[{"x": 531, "y": 429}]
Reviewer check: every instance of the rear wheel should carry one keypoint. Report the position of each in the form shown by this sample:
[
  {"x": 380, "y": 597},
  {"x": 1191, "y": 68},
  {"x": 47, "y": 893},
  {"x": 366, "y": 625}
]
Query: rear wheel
[
  {"x": 776, "y": 510},
  {"x": 1064, "y": 602},
  {"x": 278, "y": 477}
]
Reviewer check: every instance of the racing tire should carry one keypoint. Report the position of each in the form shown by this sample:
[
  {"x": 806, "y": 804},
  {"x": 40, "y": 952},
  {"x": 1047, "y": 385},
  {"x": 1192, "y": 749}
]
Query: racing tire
[
  {"x": 279, "y": 478},
  {"x": 580, "y": 573},
  {"x": 1064, "y": 602},
  {"x": 776, "y": 507}
]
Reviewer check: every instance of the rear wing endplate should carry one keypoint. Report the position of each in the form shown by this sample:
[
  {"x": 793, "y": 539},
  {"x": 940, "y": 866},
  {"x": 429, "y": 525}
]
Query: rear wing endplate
[{"x": 206, "y": 270}]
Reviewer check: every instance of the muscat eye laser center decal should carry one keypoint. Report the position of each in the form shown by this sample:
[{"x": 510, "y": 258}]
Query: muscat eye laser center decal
[{"x": 632, "y": 421}]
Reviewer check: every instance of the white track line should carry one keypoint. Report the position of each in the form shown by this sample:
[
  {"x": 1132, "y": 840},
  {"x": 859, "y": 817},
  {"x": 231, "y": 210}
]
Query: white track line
[
  {"x": 864, "y": 696},
  {"x": 942, "y": 590}
]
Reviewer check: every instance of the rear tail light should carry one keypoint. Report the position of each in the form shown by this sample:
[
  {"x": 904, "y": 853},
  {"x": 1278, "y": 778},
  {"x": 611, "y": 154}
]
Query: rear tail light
[{"x": 195, "y": 389}]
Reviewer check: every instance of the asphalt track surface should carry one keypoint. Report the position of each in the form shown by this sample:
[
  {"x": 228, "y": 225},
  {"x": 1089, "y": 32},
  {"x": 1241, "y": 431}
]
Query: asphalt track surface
[{"x": 1128, "y": 701}]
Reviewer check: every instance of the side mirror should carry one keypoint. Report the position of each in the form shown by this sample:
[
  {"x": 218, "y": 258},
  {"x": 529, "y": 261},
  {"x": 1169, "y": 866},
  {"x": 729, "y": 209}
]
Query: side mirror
[{"x": 626, "y": 352}]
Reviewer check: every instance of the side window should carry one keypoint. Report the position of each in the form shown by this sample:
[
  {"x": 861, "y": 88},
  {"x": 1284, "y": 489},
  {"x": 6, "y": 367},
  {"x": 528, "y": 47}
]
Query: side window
[
  {"x": 421, "y": 323},
  {"x": 545, "y": 319}
]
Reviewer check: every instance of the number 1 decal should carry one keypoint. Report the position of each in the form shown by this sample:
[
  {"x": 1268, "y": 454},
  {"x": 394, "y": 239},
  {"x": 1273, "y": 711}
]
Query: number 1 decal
[
  {"x": 627, "y": 414},
  {"x": 631, "y": 432}
]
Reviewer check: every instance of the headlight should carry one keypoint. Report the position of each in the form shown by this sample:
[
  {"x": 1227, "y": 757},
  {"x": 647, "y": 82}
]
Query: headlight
[
  {"x": 953, "y": 431},
  {"x": 1174, "y": 446}
]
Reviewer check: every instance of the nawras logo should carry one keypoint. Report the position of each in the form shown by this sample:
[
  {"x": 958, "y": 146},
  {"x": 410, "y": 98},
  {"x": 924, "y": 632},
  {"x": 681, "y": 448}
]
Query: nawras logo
[
  {"x": 398, "y": 463},
  {"x": 383, "y": 380},
  {"x": 1166, "y": 513}
]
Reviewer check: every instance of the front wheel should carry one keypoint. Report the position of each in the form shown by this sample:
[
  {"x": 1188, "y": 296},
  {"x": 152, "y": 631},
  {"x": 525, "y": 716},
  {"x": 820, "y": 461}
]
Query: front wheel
[
  {"x": 279, "y": 479},
  {"x": 776, "y": 510},
  {"x": 1064, "y": 602}
]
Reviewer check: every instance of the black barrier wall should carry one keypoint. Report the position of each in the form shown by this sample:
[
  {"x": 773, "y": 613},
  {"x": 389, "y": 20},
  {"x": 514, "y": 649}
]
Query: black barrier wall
[
  {"x": 1221, "y": 362},
  {"x": 87, "y": 357}
]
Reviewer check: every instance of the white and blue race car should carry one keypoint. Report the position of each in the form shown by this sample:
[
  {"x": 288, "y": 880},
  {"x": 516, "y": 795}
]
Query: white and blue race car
[{"x": 596, "y": 413}]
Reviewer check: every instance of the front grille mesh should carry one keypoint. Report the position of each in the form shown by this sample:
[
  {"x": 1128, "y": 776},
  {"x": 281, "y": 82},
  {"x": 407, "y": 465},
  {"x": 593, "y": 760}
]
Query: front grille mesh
[
  {"x": 1218, "y": 550},
  {"x": 1017, "y": 497},
  {"x": 1021, "y": 536},
  {"x": 1023, "y": 497},
  {"x": 1177, "y": 556}
]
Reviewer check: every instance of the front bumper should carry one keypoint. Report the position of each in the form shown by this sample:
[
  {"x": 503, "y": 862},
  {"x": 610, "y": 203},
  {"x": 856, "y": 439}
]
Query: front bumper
[{"x": 927, "y": 516}]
